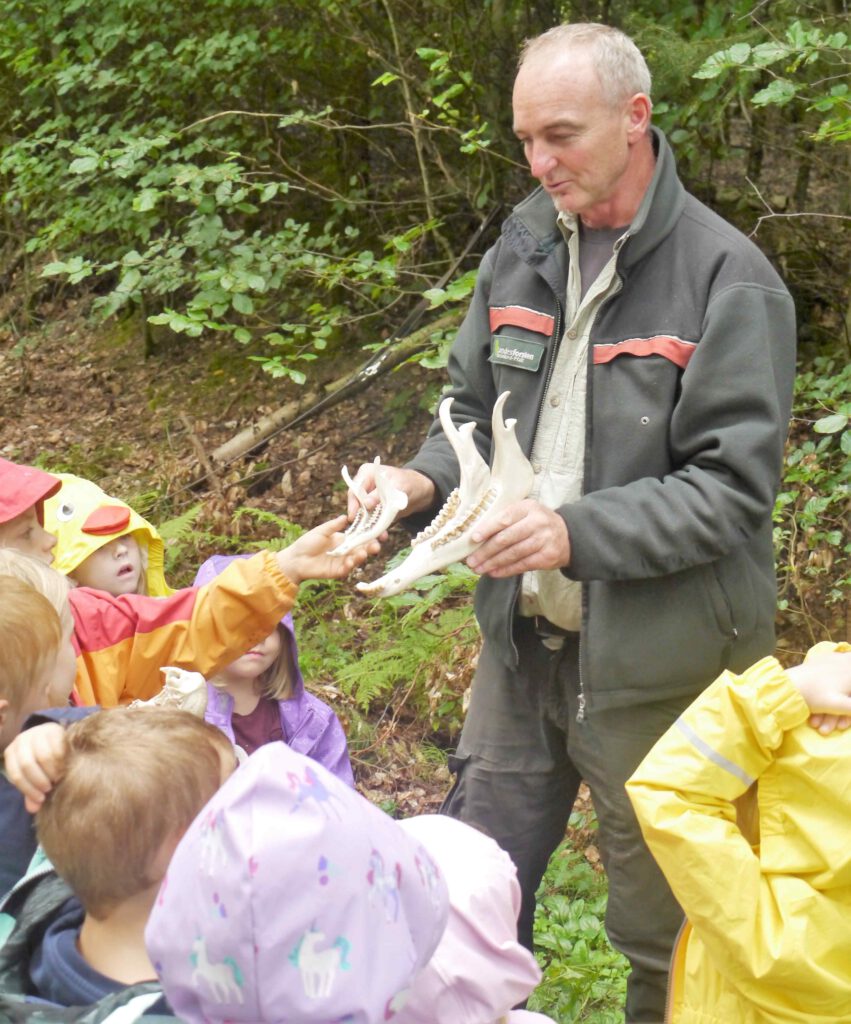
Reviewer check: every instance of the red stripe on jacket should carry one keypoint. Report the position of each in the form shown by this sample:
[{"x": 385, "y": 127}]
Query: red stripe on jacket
[
  {"x": 675, "y": 349},
  {"x": 521, "y": 316}
]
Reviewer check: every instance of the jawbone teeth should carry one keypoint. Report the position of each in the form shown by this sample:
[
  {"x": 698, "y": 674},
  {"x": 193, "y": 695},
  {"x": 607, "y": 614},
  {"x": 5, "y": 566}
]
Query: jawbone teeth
[
  {"x": 450, "y": 507},
  {"x": 481, "y": 492},
  {"x": 367, "y": 525}
]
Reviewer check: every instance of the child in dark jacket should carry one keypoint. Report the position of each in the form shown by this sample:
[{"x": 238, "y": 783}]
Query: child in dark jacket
[
  {"x": 132, "y": 781},
  {"x": 260, "y": 697}
]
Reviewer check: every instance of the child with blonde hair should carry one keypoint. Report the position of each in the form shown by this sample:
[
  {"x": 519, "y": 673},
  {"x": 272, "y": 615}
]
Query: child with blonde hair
[
  {"x": 131, "y": 782},
  {"x": 37, "y": 671},
  {"x": 260, "y": 697},
  {"x": 101, "y": 542}
]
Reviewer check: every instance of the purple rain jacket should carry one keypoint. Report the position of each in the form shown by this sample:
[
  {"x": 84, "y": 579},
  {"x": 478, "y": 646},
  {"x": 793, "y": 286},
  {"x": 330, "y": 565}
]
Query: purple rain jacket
[
  {"x": 308, "y": 723},
  {"x": 292, "y": 898}
]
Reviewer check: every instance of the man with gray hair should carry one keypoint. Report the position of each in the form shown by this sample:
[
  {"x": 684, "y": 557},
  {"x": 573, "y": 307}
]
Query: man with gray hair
[{"x": 652, "y": 399}]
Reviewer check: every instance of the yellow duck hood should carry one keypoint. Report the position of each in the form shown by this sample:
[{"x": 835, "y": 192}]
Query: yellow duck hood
[{"x": 84, "y": 518}]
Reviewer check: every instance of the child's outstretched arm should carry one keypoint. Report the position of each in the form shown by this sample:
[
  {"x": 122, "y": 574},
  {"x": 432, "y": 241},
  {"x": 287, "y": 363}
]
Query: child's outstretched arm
[
  {"x": 35, "y": 760},
  {"x": 307, "y": 558},
  {"x": 124, "y": 641}
]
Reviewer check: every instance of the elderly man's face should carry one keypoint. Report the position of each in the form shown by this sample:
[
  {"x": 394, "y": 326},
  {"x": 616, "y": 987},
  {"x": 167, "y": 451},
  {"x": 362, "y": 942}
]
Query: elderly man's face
[{"x": 576, "y": 143}]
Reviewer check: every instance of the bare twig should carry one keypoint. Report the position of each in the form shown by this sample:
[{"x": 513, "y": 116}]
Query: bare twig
[{"x": 773, "y": 214}]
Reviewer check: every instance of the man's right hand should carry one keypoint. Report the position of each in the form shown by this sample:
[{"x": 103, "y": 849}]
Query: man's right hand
[{"x": 418, "y": 487}]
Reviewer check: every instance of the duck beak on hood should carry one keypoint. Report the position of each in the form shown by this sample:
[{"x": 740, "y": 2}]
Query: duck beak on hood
[{"x": 106, "y": 520}]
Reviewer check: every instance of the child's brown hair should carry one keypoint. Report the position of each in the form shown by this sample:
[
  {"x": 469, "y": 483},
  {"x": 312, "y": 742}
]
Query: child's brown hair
[
  {"x": 133, "y": 780},
  {"x": 30, "y": 635}
]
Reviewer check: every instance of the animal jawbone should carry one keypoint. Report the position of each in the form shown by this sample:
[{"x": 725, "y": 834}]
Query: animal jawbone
[
  {"x": 481, "y": 493},
  {"x": 369, "y": 524}
]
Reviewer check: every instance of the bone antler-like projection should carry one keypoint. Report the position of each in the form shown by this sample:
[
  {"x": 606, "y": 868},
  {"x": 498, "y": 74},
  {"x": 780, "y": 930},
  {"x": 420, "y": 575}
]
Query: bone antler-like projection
[
  {"x": 368, "y": 525},
  {"x": 481, "y": 492}
]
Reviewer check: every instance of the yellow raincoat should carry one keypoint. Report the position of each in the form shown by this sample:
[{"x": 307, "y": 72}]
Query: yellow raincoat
[
  {"x": 84, "y": 518},
  {"x": 768, "y": 938}
]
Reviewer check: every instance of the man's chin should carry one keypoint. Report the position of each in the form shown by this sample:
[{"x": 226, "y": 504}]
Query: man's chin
[{"x": 562, "y": 203}]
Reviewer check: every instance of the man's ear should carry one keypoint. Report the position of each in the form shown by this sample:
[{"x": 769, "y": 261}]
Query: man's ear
[
  {"x": 4, "y": 710},
  {"x": 638, "y": 116}
]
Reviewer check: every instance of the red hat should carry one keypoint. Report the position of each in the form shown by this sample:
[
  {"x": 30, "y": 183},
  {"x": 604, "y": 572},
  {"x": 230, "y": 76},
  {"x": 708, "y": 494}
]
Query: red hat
[{"x": 21, "y": 487}]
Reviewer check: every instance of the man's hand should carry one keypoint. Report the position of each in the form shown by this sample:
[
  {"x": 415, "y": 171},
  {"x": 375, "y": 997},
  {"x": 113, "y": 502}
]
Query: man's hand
[
  {"x": 418, "y": 487},
  {"x": 34, "y": 762},
  {"x": 523, "y": 537},
  {"x": 825, "y": 684},
  {"x": 308, "y": 558}
]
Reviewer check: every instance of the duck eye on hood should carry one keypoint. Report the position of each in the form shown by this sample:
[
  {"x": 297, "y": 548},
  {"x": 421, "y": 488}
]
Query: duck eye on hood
[{"x": 65, "y": 512}]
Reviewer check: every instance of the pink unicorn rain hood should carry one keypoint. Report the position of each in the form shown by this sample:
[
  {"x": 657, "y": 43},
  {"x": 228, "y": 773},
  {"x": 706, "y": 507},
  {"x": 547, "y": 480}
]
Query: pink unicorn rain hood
[{"x": 292, "y": 898}]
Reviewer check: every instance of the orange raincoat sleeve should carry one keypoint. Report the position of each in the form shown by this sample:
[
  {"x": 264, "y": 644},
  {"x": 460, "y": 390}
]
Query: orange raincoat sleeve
[{"x": 123, "y": 642}]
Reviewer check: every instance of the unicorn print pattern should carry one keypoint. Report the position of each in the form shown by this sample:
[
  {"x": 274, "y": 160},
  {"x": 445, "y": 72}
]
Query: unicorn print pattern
[
  {"x": 213, "y": 856},
  {"x": 385, "y": 885},
  {"x": 312, "y": 788},
  {"x": 318, "y": 967},
  {"x": 429, "y": 876},
  {"x": 224, "y": 979}
]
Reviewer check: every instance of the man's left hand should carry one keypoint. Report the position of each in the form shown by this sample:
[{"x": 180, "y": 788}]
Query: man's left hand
[{"x": 523, "y": 537}]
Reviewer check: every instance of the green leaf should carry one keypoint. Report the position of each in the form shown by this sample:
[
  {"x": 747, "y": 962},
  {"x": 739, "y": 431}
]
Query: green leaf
[
  {"x": 84, "y": 164},
  {"x": 385, "y": 79},
  {"x": 146, "y": 200},
  {"x": 831, "y": 424},
  {"x": 52, "y": 269},
  {"x": 242, "y": 303},
  {"x": 778, "y": 93},
  {"x": 129, "y": 280}
]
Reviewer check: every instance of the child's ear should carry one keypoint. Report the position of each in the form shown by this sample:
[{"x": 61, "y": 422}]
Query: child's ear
[{"x": 4, "y": 709}]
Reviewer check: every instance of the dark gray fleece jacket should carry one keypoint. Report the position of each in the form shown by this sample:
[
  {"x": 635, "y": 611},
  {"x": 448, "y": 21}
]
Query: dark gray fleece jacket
[{"x": 691, "y": 366}]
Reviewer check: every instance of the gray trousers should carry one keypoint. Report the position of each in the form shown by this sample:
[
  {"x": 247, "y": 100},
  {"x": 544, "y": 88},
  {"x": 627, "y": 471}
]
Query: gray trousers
[{"x": 520, "y": 759}]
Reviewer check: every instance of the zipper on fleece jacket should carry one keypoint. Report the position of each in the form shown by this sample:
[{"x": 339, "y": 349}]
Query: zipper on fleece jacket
[{"x": 589, "y": 389}]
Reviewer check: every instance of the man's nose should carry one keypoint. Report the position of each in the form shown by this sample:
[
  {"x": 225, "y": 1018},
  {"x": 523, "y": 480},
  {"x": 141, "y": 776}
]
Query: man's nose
[
  {"x": 541, "y": 160},
  {"x": 48, "y": 541}
]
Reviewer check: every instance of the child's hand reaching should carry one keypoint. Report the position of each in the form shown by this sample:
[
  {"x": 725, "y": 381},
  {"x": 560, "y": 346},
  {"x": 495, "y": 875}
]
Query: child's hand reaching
[
  {"x": 825, "y": 684},
  {"x": 34, "y": 762},
  {"x": 308, "y": 558}
]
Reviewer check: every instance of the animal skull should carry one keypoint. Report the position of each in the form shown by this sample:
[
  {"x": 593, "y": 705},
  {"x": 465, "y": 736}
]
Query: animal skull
[
  {"x": 366, "y": 525},
  {"x": 182, "y": 689},
  {"x": 481, "y": 492}
]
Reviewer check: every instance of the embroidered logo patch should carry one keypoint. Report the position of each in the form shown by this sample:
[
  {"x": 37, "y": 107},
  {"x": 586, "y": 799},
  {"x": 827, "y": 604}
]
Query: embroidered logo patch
[{"x": 525, "y": 355}]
